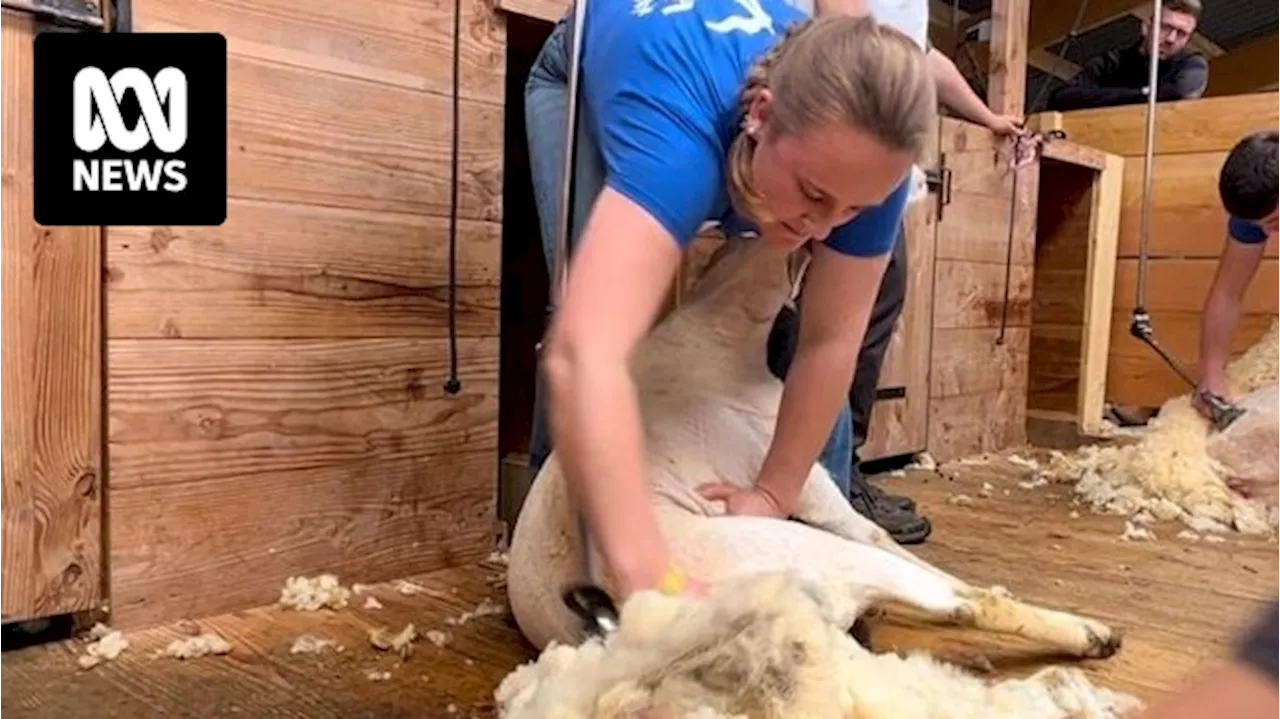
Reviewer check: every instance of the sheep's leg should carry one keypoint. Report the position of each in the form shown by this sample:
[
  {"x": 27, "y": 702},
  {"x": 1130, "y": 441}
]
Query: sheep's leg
[
  {"x": 921, "y": 584},
  {"x": 821, "y": 505},
  {"x": 856, "y": 575}
]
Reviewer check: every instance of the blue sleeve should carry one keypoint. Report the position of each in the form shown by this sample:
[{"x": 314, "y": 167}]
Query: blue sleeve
[
  {"x": 875, "y": 230},
  {"x": 657, "y": 159},
  {"x": 1244, "y": 231}
]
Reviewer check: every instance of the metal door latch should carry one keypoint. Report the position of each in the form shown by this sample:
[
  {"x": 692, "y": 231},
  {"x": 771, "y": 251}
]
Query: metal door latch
[
  {"x": 938, "y": 180},
  {"x": 73, "y": 14}
]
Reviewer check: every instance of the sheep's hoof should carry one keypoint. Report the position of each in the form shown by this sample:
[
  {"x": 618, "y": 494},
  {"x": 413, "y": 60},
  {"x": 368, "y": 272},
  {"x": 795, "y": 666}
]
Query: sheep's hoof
[
  {"x": 861, "y": 633},
  {"x": 1103, "y": 642}
]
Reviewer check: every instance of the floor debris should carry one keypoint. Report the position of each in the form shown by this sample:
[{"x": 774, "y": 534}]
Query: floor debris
[
  {"x": 106, "y": 644},
  {"x": 309, "y": 594},
  {"x": 197, "y": 646},
  {"x": 401, "y": 642}
]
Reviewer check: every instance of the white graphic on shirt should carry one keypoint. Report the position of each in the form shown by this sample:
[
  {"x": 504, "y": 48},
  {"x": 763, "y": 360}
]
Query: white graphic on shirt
[{"x": 753, "y": 22}]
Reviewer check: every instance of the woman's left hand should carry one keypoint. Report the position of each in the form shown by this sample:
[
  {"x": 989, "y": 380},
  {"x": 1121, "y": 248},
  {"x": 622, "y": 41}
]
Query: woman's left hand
[{"x": 739, "y": 501}]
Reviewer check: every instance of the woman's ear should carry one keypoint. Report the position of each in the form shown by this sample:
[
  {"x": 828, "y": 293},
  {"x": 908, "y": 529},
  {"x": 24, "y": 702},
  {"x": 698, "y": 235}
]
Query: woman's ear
[{"x": 758, "y": 113}]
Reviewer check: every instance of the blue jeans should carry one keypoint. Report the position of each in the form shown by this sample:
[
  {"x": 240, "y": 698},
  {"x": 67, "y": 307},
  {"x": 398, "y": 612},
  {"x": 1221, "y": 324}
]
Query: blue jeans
[{"x": 546, "y": 96}]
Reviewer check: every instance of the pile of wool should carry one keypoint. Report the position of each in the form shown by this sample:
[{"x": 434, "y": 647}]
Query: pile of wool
[
  {"x": 1173, "y": 471},
  {"x": 764, "y": 647}
]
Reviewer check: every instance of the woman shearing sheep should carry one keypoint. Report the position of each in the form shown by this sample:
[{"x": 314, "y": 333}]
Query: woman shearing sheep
[{"x": 745, "y": 112}]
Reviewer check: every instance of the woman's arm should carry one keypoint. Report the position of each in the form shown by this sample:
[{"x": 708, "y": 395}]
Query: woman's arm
[
  {"x": 617, "y": 280},
  {"x": 838, "y": 294},
  {"x": 840, "y": 289}
]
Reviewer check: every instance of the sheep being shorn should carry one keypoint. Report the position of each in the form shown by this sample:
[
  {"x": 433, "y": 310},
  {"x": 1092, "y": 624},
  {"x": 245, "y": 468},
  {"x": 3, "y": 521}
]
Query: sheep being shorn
[
  {"x": 709, "y": 404},
  {"x": 1179, "y": 467}
]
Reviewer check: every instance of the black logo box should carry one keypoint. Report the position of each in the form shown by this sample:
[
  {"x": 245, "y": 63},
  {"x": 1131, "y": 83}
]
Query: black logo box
[{"x": 202, "y": 57}]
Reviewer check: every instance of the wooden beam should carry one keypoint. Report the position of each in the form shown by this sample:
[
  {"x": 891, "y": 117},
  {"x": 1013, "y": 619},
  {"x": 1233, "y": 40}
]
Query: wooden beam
[
  {"x": 1249, "y": 68},
  {"x": 1051, "y": 20},
  {"x": 1075, "y": 153},
  {"x": 1007, "y": 68},
  {"x": 1059, "y": 67},
  {"x": 1100, "y": 281},
  {"x": 941, "y": 15},
  {"x": 546, "y": 10}
]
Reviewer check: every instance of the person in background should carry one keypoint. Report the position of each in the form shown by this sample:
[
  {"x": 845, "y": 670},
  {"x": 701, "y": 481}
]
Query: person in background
[
  {"x": 1119, "y": 77},
  {"x": 1247, "y": 186},
  {"x": 894, "y": 513},
  {"x": 1242, "y": 688}
]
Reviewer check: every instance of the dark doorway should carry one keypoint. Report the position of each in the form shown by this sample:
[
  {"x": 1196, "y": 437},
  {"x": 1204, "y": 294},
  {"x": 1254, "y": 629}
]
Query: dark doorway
[{"x": 525, "y": 284}]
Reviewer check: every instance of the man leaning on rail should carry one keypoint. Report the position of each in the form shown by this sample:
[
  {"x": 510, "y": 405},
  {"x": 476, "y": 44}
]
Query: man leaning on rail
[{"x": 1120, "y": 76}]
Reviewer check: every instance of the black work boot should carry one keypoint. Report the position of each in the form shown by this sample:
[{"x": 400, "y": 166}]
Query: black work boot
[
  {"x": 904, "y": 525},
  {"x": 898, "y": 500}
]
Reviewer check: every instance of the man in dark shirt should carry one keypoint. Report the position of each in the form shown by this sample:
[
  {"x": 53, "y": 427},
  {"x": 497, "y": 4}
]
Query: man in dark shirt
[{"x": 1120, "y": 76}]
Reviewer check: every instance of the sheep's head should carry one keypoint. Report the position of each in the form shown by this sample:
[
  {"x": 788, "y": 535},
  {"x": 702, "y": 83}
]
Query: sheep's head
[{"x": 746, "y": 282}]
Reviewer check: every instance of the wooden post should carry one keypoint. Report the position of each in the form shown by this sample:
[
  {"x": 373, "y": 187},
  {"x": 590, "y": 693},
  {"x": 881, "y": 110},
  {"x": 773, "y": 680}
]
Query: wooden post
[
  {"x": 1007, "y": 67},
  {"x": 1100, "y": 282}
]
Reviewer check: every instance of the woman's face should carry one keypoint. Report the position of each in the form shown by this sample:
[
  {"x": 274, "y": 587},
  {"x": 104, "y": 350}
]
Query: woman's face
[{"x": 816, "y": 181}]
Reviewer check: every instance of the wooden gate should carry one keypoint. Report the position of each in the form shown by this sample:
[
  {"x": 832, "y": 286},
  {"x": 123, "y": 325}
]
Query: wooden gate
[{"x": 51, "y": 367}]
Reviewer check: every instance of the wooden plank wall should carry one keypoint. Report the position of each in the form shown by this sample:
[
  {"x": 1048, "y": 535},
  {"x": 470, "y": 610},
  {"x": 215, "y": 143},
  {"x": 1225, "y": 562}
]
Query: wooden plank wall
[
  {"x": 275, "y": 384},
  {"x": 977, "y": 383},
  {"x": 900, "y": 425},
  {"x": 51, "y": 362},
  {"x": 1188, "y": 227}
]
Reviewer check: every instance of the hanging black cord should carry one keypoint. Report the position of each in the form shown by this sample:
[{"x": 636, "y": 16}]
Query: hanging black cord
[
  {"x": 1008, "y": 250},
  {"x": 453, "y": 385}
]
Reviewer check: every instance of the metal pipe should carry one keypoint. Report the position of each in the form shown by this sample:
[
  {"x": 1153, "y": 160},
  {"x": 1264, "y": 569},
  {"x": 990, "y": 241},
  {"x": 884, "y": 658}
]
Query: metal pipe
[
  {"x": 564, "y": 226},
  {"x": 1144, "y": 231},
  {"x": 86, "y": 18}
]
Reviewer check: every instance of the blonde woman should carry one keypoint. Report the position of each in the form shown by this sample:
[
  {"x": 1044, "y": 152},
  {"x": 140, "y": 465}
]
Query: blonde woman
[{"x": 744, "y": 112}]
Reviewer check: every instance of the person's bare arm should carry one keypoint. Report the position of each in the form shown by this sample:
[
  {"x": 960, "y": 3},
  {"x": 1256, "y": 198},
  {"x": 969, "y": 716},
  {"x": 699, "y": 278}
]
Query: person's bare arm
[
  {"x": 1244, "y": 687},
  {"x": 618, "y": 278},
  {"x": 955, "y": 93},
  {"x": 1236, "y": 268},
  {"x": 838, "y": 294},
  {"x": 1234, "y": 690}
]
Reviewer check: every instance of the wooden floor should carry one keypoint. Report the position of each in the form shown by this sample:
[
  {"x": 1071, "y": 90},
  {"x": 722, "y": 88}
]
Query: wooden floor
[{"x": 1178, "y": 603}]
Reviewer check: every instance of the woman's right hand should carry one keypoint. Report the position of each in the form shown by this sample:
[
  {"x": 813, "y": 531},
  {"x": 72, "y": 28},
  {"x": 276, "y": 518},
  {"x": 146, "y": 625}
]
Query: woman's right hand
[{"x": 653, "y": 572}]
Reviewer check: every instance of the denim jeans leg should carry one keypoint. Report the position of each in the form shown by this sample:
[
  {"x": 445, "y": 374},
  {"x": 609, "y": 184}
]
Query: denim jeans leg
[
  {"x": 837, "y": 455},
  {"x": 546, "y": 117}
]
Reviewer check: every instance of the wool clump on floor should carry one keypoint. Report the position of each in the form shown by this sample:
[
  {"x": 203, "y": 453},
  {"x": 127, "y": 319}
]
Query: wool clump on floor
[
  {"x": 1179, "y": 467},
  {"x": 764, "y": 647}
]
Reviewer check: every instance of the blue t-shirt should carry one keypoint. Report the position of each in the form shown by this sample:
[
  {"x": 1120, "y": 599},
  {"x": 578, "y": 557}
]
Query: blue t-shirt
[
  {"x": 661, "y": 81},
  {"x": 1245, "y": 231}
]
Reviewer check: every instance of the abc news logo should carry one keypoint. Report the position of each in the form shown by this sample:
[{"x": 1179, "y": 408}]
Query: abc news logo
[
  {"x": 166, "y": 130},
  {"x": 130, "y": 129}
]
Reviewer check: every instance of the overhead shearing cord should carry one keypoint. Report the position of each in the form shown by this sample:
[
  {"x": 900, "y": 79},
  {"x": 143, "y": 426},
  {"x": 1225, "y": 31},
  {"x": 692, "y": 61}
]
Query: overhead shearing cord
[
  {"x": 453, "y": 384},
  {"x": 1017, "y": 166},
  {"x": 1072, "y": 34}
]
